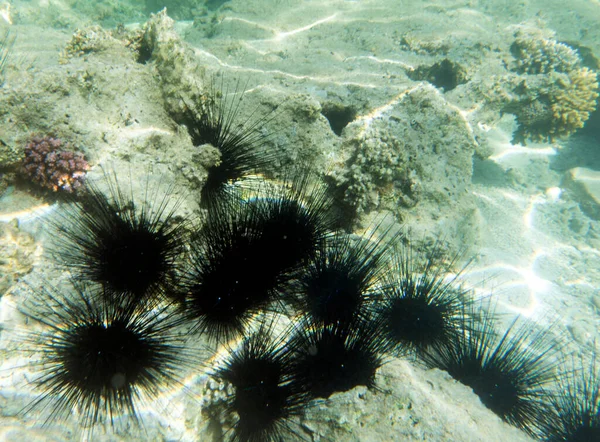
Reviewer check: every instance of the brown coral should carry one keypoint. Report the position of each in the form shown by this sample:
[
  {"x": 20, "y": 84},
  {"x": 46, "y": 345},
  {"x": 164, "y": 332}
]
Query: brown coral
[
  {"x": 535, "y": 117},
  {"x": 52, "y": 164},
  {"x": 536, "y": 55},
  {"x": 554, "y": 95},
  {"x": 556, "y": 105},
  {"x": 572, "y": 102}
]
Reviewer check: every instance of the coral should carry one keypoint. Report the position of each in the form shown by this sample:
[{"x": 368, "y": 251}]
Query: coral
[
  {"x": 173, "y": 60},
  {"x": 422, "y": 152},
  {"x": 573, "y": 101},
  {"x": 52, "y": 164},
  {"x": 537, "y": 55},
  {"x": 376, "y": 165},
  {"x": 84, "y": 41},
  {"x": 10, "y": 155},
  {"x": 134, "y": 40},
  {"x": 555, "y": 105},
  {"x": 553, "y": 96}
]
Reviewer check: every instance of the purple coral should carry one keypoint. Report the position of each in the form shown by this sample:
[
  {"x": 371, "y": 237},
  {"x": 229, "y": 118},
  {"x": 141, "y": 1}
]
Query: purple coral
[{"x": 51, "y": 163}]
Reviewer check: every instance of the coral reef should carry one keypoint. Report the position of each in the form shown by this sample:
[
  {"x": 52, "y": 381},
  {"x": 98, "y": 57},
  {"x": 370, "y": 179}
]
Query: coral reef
[
  {"x": 52, "y": 164},
  {"x": 537, "y": 55},
  {"x": 376, "y": 165},
  {"x": 9, "y": 155},
  {"x": 555, "y": 105},
  {"x": 173, "y": 60},
  {"x": 402, "y": 147},
  {"x": 573, "y": 101},
  {"x": 553, "y": 95},
  {"x": 422, "y": 151}
]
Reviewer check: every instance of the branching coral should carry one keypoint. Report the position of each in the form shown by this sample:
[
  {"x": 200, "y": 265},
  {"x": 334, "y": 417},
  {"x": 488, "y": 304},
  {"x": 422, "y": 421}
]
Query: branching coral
[
  {"x": 555, "y": 105},
  {"x": 52, "y": 164},
  {"x": 555, "y": 95},
  {"x": 573, "y": 101},
  {"x": 542, "y": 56}
]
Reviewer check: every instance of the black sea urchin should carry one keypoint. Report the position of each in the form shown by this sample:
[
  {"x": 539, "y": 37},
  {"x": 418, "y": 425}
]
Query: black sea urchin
[
  {"x": 340, "y": 284},
  {"x": 421, "y": 306},
  {"x": 576, "y": 406},
  {"x": 213, "y": 120},
  {"x": 226, "y": 281},
  {"x": 131, "y": 250},
  {"x": 266, "y": 394},
  {"x": 293, "y": 219},
  {"x": 336, "y": 357},
  {"x": 102, "y": 358},
  {"x": 509, "y": 372},
  {"x": 247, "y": 252}
]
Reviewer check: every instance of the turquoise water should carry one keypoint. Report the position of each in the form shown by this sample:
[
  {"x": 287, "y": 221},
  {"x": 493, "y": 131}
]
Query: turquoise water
[{"x": 468, "y": 122}]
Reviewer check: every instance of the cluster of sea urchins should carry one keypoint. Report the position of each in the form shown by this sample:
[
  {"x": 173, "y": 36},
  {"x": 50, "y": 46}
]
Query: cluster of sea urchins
[{"x": 142, "y": 281}]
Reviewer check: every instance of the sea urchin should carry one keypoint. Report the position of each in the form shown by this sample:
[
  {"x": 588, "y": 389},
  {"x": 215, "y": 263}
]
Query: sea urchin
[{"x": 101, "y": 357}]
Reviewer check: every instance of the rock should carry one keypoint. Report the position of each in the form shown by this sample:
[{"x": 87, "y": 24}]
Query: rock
[
  {"x": 17, "y": 254},
  {"x": 584, "y": 185}
]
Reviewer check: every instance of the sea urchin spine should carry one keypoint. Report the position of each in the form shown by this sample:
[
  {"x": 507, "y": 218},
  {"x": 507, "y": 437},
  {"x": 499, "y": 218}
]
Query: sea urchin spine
[
  {"x": 213, "y": 120},
  {"x": 509, "y": 372},
  {"x": 101, "y": 357},
  {"x": 421, "y": 305},
  {"x": 266, "y": 394},
  {"x": 131, "y": 250}
]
